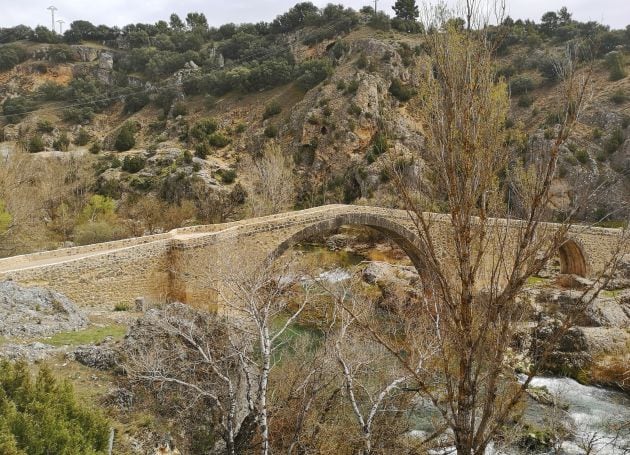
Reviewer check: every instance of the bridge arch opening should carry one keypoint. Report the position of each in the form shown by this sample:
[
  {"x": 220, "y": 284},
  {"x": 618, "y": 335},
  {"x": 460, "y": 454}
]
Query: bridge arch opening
[
  {"x": 572, "y": 260},
  {"x": 407, "y": 240}
]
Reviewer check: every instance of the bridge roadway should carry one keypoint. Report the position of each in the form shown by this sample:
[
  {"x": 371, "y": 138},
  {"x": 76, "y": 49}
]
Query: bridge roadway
[{"x": 186, "y": 263}]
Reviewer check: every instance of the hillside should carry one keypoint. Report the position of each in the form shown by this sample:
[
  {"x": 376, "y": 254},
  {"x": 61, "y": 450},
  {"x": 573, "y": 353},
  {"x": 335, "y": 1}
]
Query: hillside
[{"x": 176, "y": 123}]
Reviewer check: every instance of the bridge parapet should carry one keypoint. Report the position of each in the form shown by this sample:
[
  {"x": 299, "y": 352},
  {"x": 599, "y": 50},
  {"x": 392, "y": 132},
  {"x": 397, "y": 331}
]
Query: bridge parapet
[{"x": 186, "y": 263}]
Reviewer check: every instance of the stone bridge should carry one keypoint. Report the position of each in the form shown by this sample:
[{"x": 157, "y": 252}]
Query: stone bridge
[{"x": 186, "y": 263}]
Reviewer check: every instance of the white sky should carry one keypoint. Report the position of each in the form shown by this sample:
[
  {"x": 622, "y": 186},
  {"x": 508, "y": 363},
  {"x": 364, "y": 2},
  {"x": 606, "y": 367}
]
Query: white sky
[{"x": 615, "y": 13}]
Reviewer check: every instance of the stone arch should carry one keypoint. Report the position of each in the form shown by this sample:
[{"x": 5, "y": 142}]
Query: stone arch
[
  {"x": 407, "y": 240},
  {"x": 572, "y": 258}
]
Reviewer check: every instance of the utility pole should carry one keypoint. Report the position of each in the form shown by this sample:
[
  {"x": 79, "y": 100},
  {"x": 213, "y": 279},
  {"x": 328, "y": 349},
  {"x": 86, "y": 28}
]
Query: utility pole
[
  {"x": 61, "y": 22},
  {"x": 52, "y": 13},
  {"x": 375, "y": 7}
]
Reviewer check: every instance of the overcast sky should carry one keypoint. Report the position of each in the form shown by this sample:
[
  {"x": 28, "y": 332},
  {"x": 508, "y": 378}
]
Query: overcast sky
[{"x": 615, "y": 13}]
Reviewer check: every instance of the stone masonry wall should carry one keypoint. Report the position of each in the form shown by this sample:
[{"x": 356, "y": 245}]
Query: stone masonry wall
[{"x": 190, "y": 264}]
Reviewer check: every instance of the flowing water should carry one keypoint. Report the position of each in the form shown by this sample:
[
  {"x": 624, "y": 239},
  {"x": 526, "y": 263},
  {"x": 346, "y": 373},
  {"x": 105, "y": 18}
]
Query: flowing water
[{"x": 594, "y": 415}]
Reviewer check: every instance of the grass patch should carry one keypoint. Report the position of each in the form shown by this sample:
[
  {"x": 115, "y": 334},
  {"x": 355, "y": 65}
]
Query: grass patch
[
  {"x": 122, "y": 306},
  {"x": 92, "y": 335},
  {"x": 534, "y": 280},
  {"x": 614, "y": 293}
]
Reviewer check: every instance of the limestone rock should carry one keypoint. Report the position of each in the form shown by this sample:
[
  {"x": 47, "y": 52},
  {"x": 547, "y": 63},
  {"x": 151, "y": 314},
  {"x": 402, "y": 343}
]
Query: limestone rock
[
  {"x": 85, "y": 53},
  {"x": 102, "y": 357},
  {"x": 32, "y": 352},
  {"x": 32, "y": 312}
]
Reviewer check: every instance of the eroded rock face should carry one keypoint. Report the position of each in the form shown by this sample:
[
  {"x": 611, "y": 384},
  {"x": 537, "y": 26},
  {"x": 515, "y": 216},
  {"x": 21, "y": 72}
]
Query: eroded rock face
[
  {"x": 571, "y": 352},
  {"x": 85, "y": 53},
  {"x": 35, "y": 312}
]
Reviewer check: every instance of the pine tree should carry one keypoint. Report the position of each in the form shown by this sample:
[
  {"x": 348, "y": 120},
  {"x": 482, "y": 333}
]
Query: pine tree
[{"x": 406, "y": 10}]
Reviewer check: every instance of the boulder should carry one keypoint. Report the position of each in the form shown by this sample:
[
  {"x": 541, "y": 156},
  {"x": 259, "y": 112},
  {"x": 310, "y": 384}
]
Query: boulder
[
  {"x": 36, "y": 312},
  {"x": 100, "y": 357}
]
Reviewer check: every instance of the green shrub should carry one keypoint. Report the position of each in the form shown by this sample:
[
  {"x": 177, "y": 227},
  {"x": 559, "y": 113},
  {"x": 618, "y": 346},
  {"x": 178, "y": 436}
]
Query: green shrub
[
  {"x": 272, "y": 109},
  {"x": 42, "y": 416},
  {"x": 179, "y": 108},
  {"x": 312, "y": 72},
  {"x": 51, "y": 91},
  {"x": 625, "y": 122},
  {"x": 341, "y": 85},
  {"x": 35, "y": 144},
  {"x": 240, "y": 128},
  {"x": 521, "y": 84},
  {"x": 339, "y": 48},
  {"x": 597, "y": 133},
  {"x": 83, "y": 137},
  {"x": 203, "y": 128},
  {"x": 352, "y": 87},
  {"x": 525, "y": 100},
  {"x": 78, "y": 115},
  {"x": 619, "y": 97},
  {"x": 126, "y": 138},
  {"x": 354, "y": 109},
  {"x": 45, "y": 126},
  {"x": 400, "y": 91},
  {"x": 271, "y": 131},
  {"x": 614, "y": 141},
  {"x": 95, "y": 147},
  {"x": 228, "y": 176},
  {"x": 616, "y": 65},
  {"x": 62, "y": 142},
  {"x": 380, "y": 145},
  {"x": 549, "y": 133},
  {"x": 15, "y": 108},
  {"x": 362, "y": 61},
  {"x": 11, "y": 55},
  {"x": 185, "y": 158},
  {"x": 553, "y": 118},
  {"x": 133, "y": 164},
  {"x": 135, "y": 102},
  {"x": 380, "y": 21},
  {"x": 218, "y": 140},
  {"x": 122, "y": 306},
  {"x": 202, "y": 150},
  {"x": 582, "y": 156}
]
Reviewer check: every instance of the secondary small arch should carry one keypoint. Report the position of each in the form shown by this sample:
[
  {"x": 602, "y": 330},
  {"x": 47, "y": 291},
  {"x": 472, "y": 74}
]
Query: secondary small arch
[{"x": 572, "y": 259}]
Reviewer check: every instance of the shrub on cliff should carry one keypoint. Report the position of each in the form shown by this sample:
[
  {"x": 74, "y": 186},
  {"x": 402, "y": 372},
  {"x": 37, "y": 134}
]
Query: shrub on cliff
[
  {"x": 312, "y": 72},
  {"x": 126, "y": 138},
  {"x": 400, "y": 91}
]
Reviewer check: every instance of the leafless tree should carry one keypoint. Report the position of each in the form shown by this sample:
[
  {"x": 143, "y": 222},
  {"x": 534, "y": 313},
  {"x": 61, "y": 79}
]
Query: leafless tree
[
  {"x": 474, "y": 280},
  {"x": 370, "y": 379},
  {"x": 259, "y": 303},
  {"x": 273, "y": 183},
  {"x": 194, "y": 353}
]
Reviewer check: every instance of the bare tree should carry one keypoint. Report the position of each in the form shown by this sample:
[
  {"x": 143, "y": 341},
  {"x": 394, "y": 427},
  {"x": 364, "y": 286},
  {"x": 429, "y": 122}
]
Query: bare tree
[
  {"x": 194, "y": 353},
  {"x": 370, "y": 379},
  {"x": 259, "y": 304},
  {"x": 273, "y": 183},
  {"x": 475, "y": 278}
]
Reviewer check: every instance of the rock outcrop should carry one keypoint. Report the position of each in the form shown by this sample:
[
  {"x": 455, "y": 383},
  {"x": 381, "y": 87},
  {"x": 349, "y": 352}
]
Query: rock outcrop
[{"x": 35, "y": 312}]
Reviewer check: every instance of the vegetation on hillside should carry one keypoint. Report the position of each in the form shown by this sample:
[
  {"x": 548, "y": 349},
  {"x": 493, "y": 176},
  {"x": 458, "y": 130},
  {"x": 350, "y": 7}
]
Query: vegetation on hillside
[
  {"x": 39, "y": 416},
  {"x": 179, "y": 83}
]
